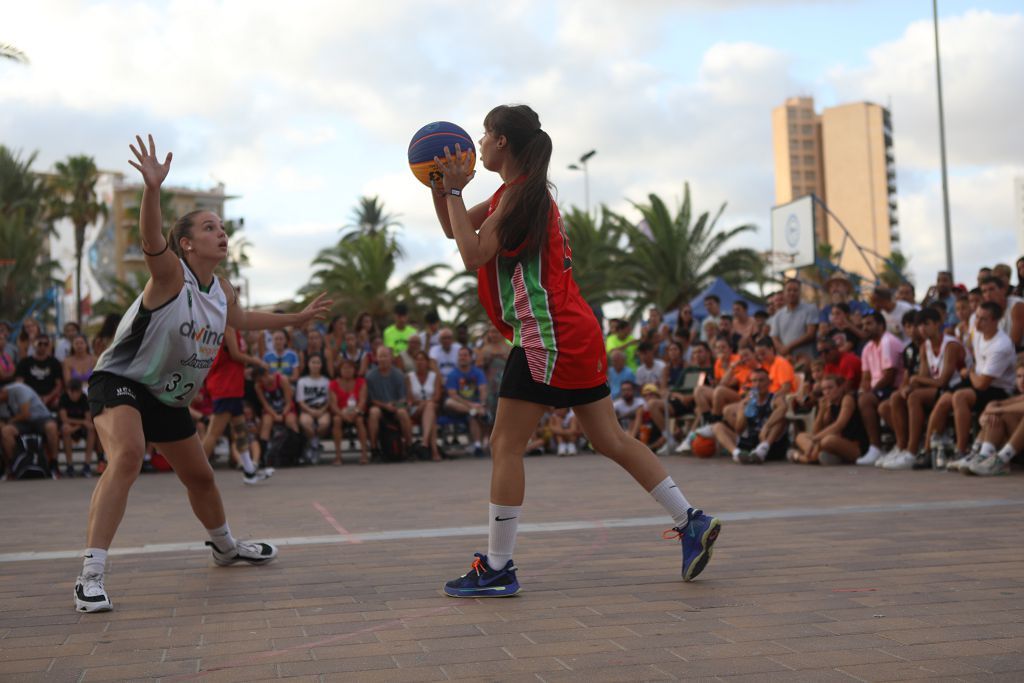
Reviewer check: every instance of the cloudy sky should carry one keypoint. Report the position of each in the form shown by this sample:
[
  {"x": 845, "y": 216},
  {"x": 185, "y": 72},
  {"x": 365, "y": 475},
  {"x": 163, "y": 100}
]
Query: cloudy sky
[{"x": 302, "y": 107}]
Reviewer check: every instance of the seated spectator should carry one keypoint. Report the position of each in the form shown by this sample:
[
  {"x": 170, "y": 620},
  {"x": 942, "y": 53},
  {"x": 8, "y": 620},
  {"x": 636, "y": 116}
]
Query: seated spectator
[
  {"x": 809, "y": 394},
  {"x": 314, "y": 411},
  {"x": 780, "y": 371},
  {"x": 462, "y": 335},
  {"x": 275, "y": 394},
  {"x": 76, "y": 424},
  {"x": 42, "y": 372},
  {"x": 709, "y": 325},
  {"x": 397, "y": 334},
  {"x": 365, "y": 330},
  {"x": 841, "y": 320},
  {"x": 762, "y": 325},
  {"x": 385, "y": 390},
  {"x": 795, "y": 325},
  {"x": 621, "y": 338},
  {"x": 105, "y": 336},
  {"x": 1002, "y": 424},
  {"x": 837, "y": 435},
  {"x": 445, "y": 355},
  {"x": 654, "y": 330},
  {"x": 650, "y": 369},
  {"x": 758, "y": 431},
  {"x": 645, "y": 428},
  {"x": 348, "y": 403},
  {"x": 744, "y": 325},
  {"x": 896, "y": 411},
  {"x": 728, "y": 389},
  {"x": 891, "y": 309},
  {"x": 626, "y": 406},
  {"x": 354, "y": 352},
  {"x": 334, "y": 340},
  {"x": 882, "y": 368},
  {"x": 725, "y": 330},
  {"x": 250, "y": 437},
  {"x": 315, "y": 347},
  {"x": 8, "y": 354},
  {"x": 431, "y": 334},
  {"x": 991, "y": 379},
  {"x": 566, "y": 430},
  {"x": 837, "y": 362},
  {"x": 671, "y": 401},
  {"x": 281, "y": 358},
  {"x": 942, "y": 292},
  {"x": 467, "y": 393},
  {"x": 30, "y": 330},
  {"x": 840, "y": 291},
  {"x": 905, "y": 293},
  {"x": 406, "y": 360},
  {"x": 26, "y": 414},
  {"x": 424, "y": 391},
  {"x": 685, "y": 325},
  {"x": 78, "y": 363},
  {"x": 994, "y": 289}
]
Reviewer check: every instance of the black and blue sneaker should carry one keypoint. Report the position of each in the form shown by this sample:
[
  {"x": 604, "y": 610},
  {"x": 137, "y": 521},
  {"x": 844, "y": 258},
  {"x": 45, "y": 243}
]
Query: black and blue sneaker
[
  {"x": 483, "y": 582},
  {"x": 697, "y": 537}
]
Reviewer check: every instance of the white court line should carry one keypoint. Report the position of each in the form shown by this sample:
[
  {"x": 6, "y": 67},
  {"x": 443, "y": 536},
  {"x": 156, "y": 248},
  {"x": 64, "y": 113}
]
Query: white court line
[{"x": 572, "y": 525}]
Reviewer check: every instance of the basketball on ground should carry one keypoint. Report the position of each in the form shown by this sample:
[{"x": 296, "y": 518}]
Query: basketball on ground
[{"x": 703, "y": 447}]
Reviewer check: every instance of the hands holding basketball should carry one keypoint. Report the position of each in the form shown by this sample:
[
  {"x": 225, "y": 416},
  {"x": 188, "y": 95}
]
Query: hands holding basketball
[{"x": 456, "y": 169}]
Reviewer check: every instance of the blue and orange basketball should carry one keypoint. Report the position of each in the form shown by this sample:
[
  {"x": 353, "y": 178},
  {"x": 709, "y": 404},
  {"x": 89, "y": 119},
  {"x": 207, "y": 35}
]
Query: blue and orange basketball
[{"x": 430, "y": 141}]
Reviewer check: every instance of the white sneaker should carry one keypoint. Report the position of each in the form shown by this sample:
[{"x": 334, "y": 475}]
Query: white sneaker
[
  {"x": 90, "y": 596},
  {"x": 255, "y": 478},
  {"x": 687, "y": 445},
  {"x": 762, "y": 450},
  {"x": 886, "y": 457},
  {"x": 253, "y": 552},
  {"x": 870, "y": 457},
  {"x": 570, "y": 449},
  {"x": 664, "y": 450},
  {"x": 899, "y": 460},
  {"x": 562, "y": 448},
  {"x": 706, "y": 431}
]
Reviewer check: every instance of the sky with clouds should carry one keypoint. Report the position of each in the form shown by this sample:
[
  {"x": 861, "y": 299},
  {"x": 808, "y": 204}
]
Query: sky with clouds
[{"x": 302, "y": 107}]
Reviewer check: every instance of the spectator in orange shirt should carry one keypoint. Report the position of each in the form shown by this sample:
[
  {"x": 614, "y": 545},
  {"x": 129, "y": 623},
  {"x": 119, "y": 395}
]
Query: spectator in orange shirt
[{"x": 780, "y": 370}]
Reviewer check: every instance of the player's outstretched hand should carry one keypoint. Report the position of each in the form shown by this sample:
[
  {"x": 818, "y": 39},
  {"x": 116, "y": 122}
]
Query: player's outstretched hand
[
  {"x": 153, "y": 172},
  {"x": 317, "y": 308},
  {"x": 455, "y": 168}
]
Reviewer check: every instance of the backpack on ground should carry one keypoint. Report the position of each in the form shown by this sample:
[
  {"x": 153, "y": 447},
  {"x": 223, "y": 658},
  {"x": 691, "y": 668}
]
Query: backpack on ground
[
  {"x": 284, "y": 448},
  {"x": 30, "y": 458},
  {"x": 392, "y": 445}
]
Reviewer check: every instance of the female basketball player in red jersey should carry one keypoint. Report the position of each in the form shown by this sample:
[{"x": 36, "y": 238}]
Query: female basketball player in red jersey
[{"x": 517, "y": 244}]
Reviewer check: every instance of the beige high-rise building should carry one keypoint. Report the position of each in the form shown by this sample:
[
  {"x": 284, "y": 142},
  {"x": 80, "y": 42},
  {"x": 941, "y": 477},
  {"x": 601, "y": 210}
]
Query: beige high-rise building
[{"x": 844, "y": 156}]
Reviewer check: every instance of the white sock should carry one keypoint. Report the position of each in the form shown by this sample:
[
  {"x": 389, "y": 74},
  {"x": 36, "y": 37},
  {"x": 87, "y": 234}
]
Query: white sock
[
  {"x": 94, "y": 561},
  {"x": 222, "y": 538},
  {"x": 247, "y": 463},
  {"x": 987, "y": 449},
  {"x": 736, "y": 452},
  {"x": 1006, "y": 453},
  {"x": 762, "y": 450},
  {"x": 670, "y": 497},
  {"x": 476, "y": 444},
  {"x": 503, "y": 523}
]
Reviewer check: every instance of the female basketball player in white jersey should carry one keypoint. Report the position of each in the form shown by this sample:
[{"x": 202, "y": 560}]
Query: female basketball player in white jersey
[{"x": 145, "y": 380}]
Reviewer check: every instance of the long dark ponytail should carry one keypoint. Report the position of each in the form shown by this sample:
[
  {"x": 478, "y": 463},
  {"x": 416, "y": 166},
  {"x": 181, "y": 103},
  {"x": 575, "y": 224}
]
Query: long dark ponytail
[{"x": 525, "y": 220}]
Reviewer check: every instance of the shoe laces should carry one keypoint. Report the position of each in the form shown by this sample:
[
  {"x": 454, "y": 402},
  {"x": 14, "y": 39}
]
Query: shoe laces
[
  {"x": 677, "y": 532},
  {"x": 478, "y": 564},
  {"x": 92, "y": 583}
]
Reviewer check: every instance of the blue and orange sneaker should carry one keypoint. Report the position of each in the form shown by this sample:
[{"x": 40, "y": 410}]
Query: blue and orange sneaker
[
  {"x": 483, "y": 582},
  {"x": 697, "y": 537}
]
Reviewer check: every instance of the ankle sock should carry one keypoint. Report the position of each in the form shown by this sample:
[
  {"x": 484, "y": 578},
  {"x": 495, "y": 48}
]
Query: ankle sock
[
  {"x": 987, "y": 449},
  {"x": 222, "y": 538},
  {"x": 503, "y": 524},
  {"x": 1006, "y": 453},
  {"x": 94, "y": 561},
  {"x": 247, "y": 463},
  {"x": 670, "y": 497}
]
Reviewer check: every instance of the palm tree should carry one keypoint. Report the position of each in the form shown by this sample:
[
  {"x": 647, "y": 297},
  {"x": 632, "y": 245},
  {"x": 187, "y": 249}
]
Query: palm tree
[
  {"x": 370, "y": 218},
  {"x": 596, "y": 252},
  {"x": 463, "y": 300},
  {"x": 121, "y": 294},
  {"x": 75, "y": 198},
  {"x": 671, "y": 259},
  {"x": 12, "y": 53},
  {"x": 134, "y": 237},
  {"x": 26, "y": 269},
  {"x": 238, "y": 257},
  {"x": 895, "y": 270}
]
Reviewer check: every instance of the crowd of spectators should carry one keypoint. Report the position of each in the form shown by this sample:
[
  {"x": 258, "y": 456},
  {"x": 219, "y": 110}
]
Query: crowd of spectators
[{"x": 885, "y": 381}]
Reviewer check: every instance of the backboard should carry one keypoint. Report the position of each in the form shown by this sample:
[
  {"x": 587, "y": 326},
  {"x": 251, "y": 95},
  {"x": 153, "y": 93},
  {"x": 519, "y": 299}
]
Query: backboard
[{"x": 793, "y": 233}]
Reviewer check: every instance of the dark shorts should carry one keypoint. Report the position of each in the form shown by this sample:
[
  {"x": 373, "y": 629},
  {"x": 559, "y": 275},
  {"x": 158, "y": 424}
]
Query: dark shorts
[
  {"x": 986, "y": 396},
  {"x": 32, "y": 426},
  {"x": 232, "y": 406},
  {"x": 883, "y": 394},
  {"x": 679, "y": 408},
  {"x": 160, "y": 422},
  {"x": 517, "y": 383}
]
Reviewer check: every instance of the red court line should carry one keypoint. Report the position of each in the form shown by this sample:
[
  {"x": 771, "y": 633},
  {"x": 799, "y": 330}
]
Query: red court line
[{"x": 329, "y": 518}]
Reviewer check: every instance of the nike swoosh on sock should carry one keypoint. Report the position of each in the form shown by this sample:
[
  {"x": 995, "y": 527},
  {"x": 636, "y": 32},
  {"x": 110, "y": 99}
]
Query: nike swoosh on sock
[{"x": 503, "y": 519}]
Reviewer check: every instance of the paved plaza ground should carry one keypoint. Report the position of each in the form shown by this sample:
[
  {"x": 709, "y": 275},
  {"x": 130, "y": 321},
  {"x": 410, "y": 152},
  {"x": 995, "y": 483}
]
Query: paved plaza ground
[{"x": 820, "y": 574}]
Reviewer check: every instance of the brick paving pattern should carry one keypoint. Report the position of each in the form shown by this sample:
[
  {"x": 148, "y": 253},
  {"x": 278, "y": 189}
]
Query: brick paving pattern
[{"x": 932, "y": 592}]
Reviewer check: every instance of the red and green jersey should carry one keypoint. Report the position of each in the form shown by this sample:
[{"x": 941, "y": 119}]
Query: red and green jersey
[{"x": 536, "y": 305}]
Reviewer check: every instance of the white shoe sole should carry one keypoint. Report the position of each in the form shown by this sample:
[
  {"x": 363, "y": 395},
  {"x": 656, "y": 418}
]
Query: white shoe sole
[{"x": 86, "y": 606}]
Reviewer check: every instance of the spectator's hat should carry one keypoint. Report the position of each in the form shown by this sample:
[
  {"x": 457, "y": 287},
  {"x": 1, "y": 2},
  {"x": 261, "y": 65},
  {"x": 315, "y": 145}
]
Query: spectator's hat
[
  {"x": 649, "y": 389},
  {"x": 838, "y": 277}
]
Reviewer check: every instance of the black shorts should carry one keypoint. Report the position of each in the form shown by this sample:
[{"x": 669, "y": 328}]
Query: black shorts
[
  {"x": 678, "y": 408},
  {"x": 985, "y": 396},
  {"x": 517, "y": 383},
  {"x": 231, "y": 406},
  {"x": 32, "y": 426},
  {"x": 160, "y": 422}
]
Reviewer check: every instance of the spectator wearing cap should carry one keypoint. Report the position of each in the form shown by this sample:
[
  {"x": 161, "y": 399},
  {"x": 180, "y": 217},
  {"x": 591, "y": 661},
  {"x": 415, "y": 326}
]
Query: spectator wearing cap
[
  {"x": 795, "y": 325},
  {"x": 891, "y": 309},
  {"x": 882, "y": 367},
  {"x": 840, "y": 291},
  {"x": 42, "y": 372},
  {"x": 396, "y": 335},
  {"x": 942, "y": 292}
]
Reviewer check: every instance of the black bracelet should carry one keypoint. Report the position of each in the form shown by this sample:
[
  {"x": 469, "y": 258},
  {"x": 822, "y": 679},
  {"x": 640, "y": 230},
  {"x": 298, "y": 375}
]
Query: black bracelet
[{"x": 166, "y": 245}]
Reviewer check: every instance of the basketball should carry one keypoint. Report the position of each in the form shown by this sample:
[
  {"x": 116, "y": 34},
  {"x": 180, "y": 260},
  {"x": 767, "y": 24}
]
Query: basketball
[
  {"x": 704, "y": 448},
  {"x": 430, "y": 141}
]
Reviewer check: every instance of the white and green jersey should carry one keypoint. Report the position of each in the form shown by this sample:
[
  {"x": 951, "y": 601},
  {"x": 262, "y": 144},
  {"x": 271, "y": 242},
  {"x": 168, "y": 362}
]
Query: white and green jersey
[{"x": 171, "y": 348}]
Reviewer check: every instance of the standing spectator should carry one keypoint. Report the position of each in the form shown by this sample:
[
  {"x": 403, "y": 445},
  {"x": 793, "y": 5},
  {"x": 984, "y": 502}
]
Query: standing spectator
[
  {"x": 838, "y": 434},
  {"x": 942, "y": 292},
  {"x": 385, "y": 386},
  {"x": 79, "y": 363},
  {"x": 315, "y": 347},
  {"x": 445, "y": 356},
  {"x": 650, "y": 369},
  {"x": 27, "y": 415},
  {"x": 713, "y": 305},
  {"x": 1004, "y": 273},
  {"x": 406, "y": 360},
  {"x": 991, "y": 379},
  {"x": 1012, "y": 321},
  {"x": 891, "y": 309},
  {"x": 963, "y": 330},
  {"x": 424, "y": 391},
  {"x": 348, "y": 403},
  {"x": 63, "y": 345},
  {"x": 795, "y": 325},
  {"x": 314, "y": 412},
  {"x": 431, "y": 331},
  {"x": 843, "y": 364},
  {"x": 467, "y": 393},
  {"x": 621, "y": 338},
  {"x": 396, "y": 335},
  {"x": 619, "y": 372},
  {"x": 282, "y": 359},
  {"x": 8, "y": 354},
  {"x": 76, "y": 423},
  {"x": 366, "y": 329},
  {"x": 905, "y": 293},
  {"x": 685, "y": 325},
  {"x": 759, "y": 430},
  {"x": 42, "y": 372},
  {"x": 335, "y": 337},
  {"x": 30, "y": 330},
  {"x": 462, "y": 335},
  {"x": 744, "y": 325},
  {"x": 627, "y": 405},
  {"x": 654, "y": 330},
  {"x": 840, "y": 291},
  {"x": 882, "y": 366}
]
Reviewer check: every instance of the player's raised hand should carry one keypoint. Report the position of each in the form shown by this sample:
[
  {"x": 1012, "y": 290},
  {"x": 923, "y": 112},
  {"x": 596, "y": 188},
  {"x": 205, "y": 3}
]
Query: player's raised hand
[
  {"x": 317, "y": 308},
  {"x": 153, "y": 172}
]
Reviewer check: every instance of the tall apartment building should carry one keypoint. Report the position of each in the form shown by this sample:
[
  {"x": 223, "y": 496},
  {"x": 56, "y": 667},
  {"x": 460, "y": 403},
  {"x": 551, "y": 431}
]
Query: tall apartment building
[{"x": 844, "y": 156}]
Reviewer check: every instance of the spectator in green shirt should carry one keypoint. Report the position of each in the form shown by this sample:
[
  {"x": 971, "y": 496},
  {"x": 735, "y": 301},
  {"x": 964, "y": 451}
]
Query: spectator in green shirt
[
  {"x": 621, "y": 338},
  {"x": 396, "y": 335}
]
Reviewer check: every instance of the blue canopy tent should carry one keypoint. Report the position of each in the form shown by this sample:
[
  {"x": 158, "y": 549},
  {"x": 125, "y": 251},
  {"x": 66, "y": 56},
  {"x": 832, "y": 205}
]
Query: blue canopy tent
[{"x": 726, "y": 294}]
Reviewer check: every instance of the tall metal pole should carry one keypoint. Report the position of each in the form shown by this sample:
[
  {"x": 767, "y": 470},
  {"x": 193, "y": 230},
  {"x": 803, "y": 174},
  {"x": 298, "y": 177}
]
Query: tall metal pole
[{"x": 942, "y": 142}]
